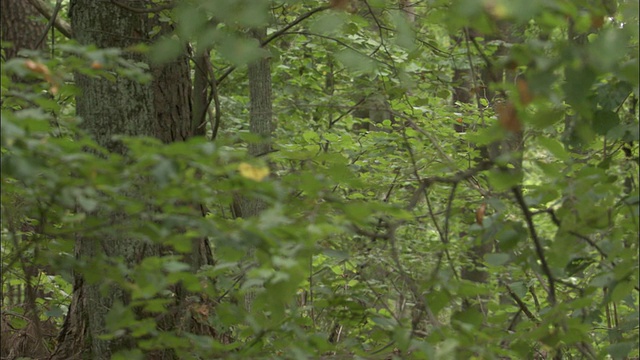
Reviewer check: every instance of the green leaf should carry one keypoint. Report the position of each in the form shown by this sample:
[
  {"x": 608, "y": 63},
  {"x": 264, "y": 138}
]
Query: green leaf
[
  {"x": 166, "y": 50},
  {"x": 55, "y": 311},
  {"x": 603, "y": 121},
  {"x": 327, "y": 23},
  {"x": 555, "y": 147},
  {"x": 503, "y": 180},
  {"x": 175, "y": 266},
  {"x": 311, "y": 137},
  {"x": 468, "y": 316},
  {"x": 239, "y": 50},
  {"x": 608, "y": 49},
  {"x": 355, "y": 61},
  {"x": 577, "y": 88},
  {"x": 404, "y": 34},
  {"x": 496, "y": 259},
  {"x": 620, "y": 351}
]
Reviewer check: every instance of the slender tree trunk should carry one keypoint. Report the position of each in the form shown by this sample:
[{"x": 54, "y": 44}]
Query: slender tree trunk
[
  {"x": 261, "y": 102},
  {"x": 475, "y": 271},
  {"x": 260, "y": 123},
  {"x": 160, "y": 109}
]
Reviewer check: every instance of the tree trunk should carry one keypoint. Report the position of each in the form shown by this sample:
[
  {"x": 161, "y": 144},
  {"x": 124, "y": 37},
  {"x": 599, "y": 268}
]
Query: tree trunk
[
  {"x": 512, "y": 143},
  {"x": 260, "y": 123},
  {"x": 122, "y": 107},
  {"x": 22, "y": 26}
]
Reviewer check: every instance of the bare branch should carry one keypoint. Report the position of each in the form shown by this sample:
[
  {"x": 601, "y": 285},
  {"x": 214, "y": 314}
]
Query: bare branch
[
  {"x": 517, "y": 192},
  {"x": 48, "y": 12}
]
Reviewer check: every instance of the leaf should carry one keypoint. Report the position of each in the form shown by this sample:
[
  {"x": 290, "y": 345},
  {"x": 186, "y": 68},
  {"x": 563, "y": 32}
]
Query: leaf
[
  {"x": 480, "y": 213},
  {"x": 405, "y": 36},
  {"x": 555, "y": 147},
  {"x": 508, "y": 117},
  {"x": 469, "y": 316},
  {"x": 546, "y": 117},
  {"x": 577, "y": 88},
  {"x": 239, "y": 50},
  {"x": 328, "y": 23},
  {"x": 166, "y": 50},
  {"x": 311, "y": 137},
  {"x": 503, "y": 180},
  {"x": 606, "y": 51},
  {"x": 620, "y": 351},
  {"x": 603, "y": 121},
  {"x": 175, "y": 266},
  {"x": 496, "y": 259},
  {"x": 55, "y": 311},
  {"x": 252, "y": 172},
  {"x": 519, "y": 288},
  {"x": 355, "y": 61}
]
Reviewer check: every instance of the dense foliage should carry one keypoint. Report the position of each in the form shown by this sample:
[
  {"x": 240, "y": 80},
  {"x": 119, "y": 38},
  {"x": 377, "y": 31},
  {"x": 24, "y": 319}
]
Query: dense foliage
[{"x": 424, "y": 234}]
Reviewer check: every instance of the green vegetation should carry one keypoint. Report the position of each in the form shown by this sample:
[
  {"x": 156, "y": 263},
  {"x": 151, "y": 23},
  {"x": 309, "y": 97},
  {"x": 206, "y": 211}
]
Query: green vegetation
[{"x": 365, "y": 179}]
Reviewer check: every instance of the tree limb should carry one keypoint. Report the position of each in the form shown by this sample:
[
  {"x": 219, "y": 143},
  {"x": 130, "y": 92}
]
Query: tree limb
[
  {"x": 48, "y": 12},
  {"x": 278, "y": 33},
  {"x": 517, "y": 192}
]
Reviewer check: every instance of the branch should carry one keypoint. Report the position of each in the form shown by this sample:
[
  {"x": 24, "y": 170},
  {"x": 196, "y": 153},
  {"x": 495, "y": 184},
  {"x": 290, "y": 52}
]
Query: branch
[
  {"x": 48, "y": 12},
  {"x": 136, "y": 10},
  {"x": 295, "y": 22},
  {"x": 523, "y": 307},
  {"x": 52, "y": 20},
  {"x": 278, "y": 33},
  {"x": 517, "y": 192},
  {"x": 455, "y": 179},
  {"x": 556, "y": 221}
]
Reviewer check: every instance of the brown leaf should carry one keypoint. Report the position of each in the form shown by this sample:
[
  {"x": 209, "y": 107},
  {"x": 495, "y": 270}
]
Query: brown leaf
[
  {"x": 508, "y": 117},
  {"x": 523, "y": 91},
  {"x": 480, "y": 213},
  {"x": 339, "y": 4}
]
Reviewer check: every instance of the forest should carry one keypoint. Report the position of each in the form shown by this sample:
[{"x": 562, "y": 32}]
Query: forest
[{"x": 319, "y": 179}]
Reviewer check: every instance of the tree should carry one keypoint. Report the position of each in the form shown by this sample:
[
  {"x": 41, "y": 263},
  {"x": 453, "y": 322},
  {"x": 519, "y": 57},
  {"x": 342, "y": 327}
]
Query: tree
[
  {"x": 22, "y": 26},
  {"x": 403, "y": 239},
  {"x": 158, "y": 108}
]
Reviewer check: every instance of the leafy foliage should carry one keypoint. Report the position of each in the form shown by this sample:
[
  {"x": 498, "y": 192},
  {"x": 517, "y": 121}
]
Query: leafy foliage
[{"x": 402, "y": 239}]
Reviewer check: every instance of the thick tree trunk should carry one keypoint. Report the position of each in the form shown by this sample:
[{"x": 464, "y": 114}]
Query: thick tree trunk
[
  {"x": 122, "y": 107},
  {"x": 22, "y": 26}
]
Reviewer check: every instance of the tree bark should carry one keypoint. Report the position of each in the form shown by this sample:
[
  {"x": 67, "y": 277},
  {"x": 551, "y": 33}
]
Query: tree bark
[
  {"x": 22, "y": 25},
  {"x": 512, "y": 143},
  {"x": 260, "y": 123},
  {"x": 159, "y": 109}
]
